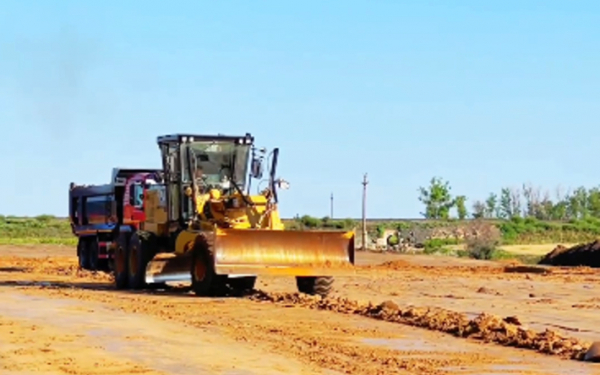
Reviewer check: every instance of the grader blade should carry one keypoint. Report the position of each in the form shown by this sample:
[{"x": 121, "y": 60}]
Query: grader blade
[
  {"x": 294, "y": 253},
  {"x": 241, "y": 252},
  {"x": 169, "y": 268}
]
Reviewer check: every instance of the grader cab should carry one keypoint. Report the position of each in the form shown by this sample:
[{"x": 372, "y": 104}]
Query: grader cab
[{"x": 202, "y": 224}]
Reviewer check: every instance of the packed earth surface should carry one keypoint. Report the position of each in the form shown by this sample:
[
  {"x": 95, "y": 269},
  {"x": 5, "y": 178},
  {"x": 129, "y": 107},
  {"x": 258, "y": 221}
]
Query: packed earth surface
[{"x": 391, "y": 314}]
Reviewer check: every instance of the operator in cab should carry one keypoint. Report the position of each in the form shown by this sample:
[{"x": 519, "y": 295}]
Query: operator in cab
[{"x": 199, "y": 179}]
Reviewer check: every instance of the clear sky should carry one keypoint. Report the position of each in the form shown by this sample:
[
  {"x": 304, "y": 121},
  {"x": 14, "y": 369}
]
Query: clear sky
[{"x": 482, "y": 93}]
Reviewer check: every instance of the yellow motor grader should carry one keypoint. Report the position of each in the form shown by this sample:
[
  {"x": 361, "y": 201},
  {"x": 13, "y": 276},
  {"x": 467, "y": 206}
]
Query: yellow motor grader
[{"x": 201, "y": 224}]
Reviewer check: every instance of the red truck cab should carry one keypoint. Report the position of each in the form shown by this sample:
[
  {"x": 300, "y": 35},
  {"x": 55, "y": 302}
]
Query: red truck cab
[{"x": 133, "y": 198}]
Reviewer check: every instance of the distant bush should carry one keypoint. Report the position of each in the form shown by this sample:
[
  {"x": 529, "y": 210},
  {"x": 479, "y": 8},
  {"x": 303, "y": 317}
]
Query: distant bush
[
  {"x": 483, "y": 240},
  {"x": 393, "y": 240},
  {"x": 531, "y": 230},
  {"x": 439, "y": 246},
  {"x": 310, "y": 222}
]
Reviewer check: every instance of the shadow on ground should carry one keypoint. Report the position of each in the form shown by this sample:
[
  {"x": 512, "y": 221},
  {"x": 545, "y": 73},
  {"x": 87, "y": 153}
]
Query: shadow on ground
[
  {"x": 167, "y": 290},
  {"x": 14, "y": 269}
]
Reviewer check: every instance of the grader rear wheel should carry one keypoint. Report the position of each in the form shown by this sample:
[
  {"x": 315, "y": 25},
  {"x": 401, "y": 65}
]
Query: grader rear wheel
[
  {"x": 321, "y": 285},
  {"x": 242, "y": 285}
]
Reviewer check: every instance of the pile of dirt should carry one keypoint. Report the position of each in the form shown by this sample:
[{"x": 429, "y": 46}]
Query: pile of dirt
[
  {"x": 402, "y": 265},
  {"x": 52, "y": 266},
  {"x": 580, "y": 255},
  {"x": 485, "y": 327},
  {"x": 391, "y": 265}
]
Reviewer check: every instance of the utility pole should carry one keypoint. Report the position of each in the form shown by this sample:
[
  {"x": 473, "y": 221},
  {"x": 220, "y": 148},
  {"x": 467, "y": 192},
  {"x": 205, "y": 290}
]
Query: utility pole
[
  {"x": 364, "y": 213},
  {"x": 331, "y": 208}
]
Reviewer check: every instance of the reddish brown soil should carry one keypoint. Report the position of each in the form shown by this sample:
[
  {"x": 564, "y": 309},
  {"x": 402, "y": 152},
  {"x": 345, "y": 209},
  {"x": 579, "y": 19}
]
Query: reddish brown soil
[{"x": 390, "y": 315}]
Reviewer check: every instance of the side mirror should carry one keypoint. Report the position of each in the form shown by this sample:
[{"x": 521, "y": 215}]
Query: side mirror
[
  {"x": 283, "y": 184},
  {"x": 256, "y": 168}
]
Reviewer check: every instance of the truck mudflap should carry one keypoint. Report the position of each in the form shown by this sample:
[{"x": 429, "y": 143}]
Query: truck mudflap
[{"x": 265, "y": 252}]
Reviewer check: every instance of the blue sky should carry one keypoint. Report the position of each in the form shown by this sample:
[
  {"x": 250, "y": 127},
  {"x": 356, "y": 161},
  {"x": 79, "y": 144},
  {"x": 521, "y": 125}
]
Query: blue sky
[{"x": 483, "y": 94}]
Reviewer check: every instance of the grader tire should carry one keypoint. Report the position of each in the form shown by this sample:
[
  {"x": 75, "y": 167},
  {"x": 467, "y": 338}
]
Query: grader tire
[
  {"x": 202, "y": 272},
  {"x": 205, "y": 282},
  {"x": 320, "y": 286},
  {"x": 241, "y": 286}
]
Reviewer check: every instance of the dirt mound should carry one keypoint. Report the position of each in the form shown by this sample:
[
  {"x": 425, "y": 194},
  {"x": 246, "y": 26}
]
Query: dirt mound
[
  {"x": 391, "y": 265},
  {"x": 485, "y": 327},
  {"x": 580, "y": 255},
  {"x": 52, "y": 266}
]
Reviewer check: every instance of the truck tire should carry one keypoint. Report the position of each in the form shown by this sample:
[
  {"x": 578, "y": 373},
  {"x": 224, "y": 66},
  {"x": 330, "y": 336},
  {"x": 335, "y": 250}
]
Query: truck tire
[
  {"x": 121, "y": 262},
  {"x": 93, "y": 254},
  {"x": 141, "y": 251},
  {"x": 320, "y": 285},
  {"x": 241, "y": 286},
  {"x": 83, "y": 253}
]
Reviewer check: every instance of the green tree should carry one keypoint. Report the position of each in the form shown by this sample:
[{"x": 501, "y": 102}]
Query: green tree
[
  {"x": 578, "y": 203},
  {"x": 490, "y": 205},
  {"x": 560, "y": 211},
  {"x": 461, "y": 208},
  {"x": 593, "y": 202},
  {"x": 515, "y": 201},
  {"x": 437, "y": 199},
  {"x": 505, "y": 205}
]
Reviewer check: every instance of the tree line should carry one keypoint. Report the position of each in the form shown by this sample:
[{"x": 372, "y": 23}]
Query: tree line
[{"x": 525, "y": 201}]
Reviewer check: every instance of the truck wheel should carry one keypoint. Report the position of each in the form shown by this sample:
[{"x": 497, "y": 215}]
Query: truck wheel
[
  {"x": 93, "y": 254},
  {"x": 140, "y": 253},
  {"x": 121, "y": 263},
  {"x": 242, "y": 285},
  {"x": 320, "y": 286},
  {"x": 83, "y": 253}
]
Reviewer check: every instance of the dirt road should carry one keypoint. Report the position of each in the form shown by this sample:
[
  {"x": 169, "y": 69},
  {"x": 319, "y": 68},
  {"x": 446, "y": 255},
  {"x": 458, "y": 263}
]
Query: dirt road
[{"x": 55, "y": 319}]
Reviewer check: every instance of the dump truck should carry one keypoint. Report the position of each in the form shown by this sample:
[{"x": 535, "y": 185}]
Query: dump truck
[
  {"x": 196, "y": 221},
  {"x": 97, "y": 212}
]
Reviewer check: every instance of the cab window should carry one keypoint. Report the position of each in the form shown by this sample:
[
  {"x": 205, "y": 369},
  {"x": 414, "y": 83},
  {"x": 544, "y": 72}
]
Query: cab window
[{"x": 137, "y": 196}]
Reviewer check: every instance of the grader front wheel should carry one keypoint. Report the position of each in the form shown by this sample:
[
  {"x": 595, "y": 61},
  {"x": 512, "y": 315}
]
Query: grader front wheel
[
  {"x": 321, "y": 285},
  {"x": 205, "y": 282}
]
